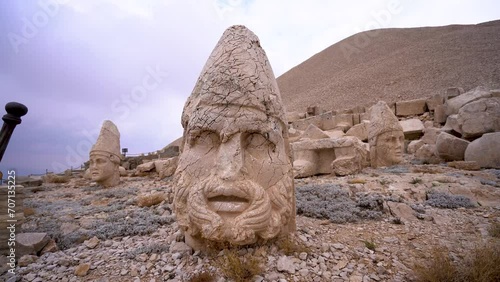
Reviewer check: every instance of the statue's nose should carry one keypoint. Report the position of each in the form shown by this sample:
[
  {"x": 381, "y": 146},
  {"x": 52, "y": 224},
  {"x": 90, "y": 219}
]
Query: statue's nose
[{"x": 230, "y": 158}]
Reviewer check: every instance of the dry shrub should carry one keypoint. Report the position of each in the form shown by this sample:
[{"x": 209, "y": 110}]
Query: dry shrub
[
  {"x": 416, "y": 180},
  {"x": 445, "y": 180},
  {"x": 290, "y": 245},
  {"x": 439, "y": 269},
  {"x": 494, "y": 230},
  {"x": 370, "y": 244},
  {"x": 29, "y": 211},
  {"x": 356, "y": 181},
  {"x": 238, "y": 268},
  {"x": 100, "y": 202},
  {"x": 150, "y": 200},
  {"x": 53, "y": 178},
  {"x": 202, "y": 277},
  {"x": 481, "y": 265}
]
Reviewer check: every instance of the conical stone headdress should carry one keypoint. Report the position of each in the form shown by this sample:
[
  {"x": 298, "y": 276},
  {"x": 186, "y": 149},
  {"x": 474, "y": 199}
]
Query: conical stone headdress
[
  {"x": 237, "y": 73},
  {"x": 382, "y": 120},
  {"x": 108, "y": 141}
]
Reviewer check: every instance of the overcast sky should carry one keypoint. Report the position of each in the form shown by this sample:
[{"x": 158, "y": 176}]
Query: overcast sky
[{"x": 76, "y": 63}]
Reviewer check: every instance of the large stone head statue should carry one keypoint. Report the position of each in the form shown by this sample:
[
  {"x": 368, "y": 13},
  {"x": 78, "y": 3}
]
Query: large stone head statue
[
  {"x": 385, "y": 136},
  {"x": 105, "y": 156},
  {"x": 234, "y": 177}
]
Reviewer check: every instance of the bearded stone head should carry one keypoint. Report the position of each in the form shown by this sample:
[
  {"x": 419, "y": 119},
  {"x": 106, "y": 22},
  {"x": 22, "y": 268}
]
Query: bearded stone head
[
  {"x": 234, "y": 180},
  {"x": 105, "y": 156},
  {"x": 385, "y": 136}
]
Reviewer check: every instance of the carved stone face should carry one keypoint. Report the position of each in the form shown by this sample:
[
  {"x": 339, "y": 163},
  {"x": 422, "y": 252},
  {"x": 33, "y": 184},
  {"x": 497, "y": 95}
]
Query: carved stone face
[
  {"x": 103, "y": 170},
  {"x": 234, "y": 180},
  {"x": 389, "y": 148}
]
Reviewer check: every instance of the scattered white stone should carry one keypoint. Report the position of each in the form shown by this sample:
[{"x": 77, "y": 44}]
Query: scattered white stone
[
  {"x": 92, "y": 242},
  {"x": 303, "y": 256},
  {"x": 338, "y": 246},
  {"x": 285, "y": 264}
]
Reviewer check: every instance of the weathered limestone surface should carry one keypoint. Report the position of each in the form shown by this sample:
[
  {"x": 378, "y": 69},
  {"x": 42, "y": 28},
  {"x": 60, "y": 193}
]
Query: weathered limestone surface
[
  {"x": 313, "y": 132},
  {"x": 440, "y": 114},
  {"x": 485, "y": 150},
  {"x": 451, "y": 148},
  {"x": 359, "y": 130},
  {"x": 452, "y": 124},
  {"x": 453, "y": 92},
  {"x": 427, "y": 153},
  {"x": 30, "y": 243},
  {"x": 342, "y": 156},
  {"x": 340, "y": 121},
  {"x": 335, "y": 133},
  {"x": 234, "y": 180},
  {"x": 123, "y": 171},
  {"x": 453, "y": 105},
  {"x": 470, "y": 165},
  {"x": 414, "y": 145},
  {"x": 292, "y": 116},
  {"x": 145, "y": 167},
  {"x": 385, "y": 136},
  {"x": 105, "y": 156},
  {"x": 412, "y": 128},
  {"x": 166, "y": 168},
  {"x": 479, "y": 117},
  {"x": 430, "y": 135},
  {"x": 434, "y": 101},
  {"x": 402, "y": 211},
  {"x": 302, "y": 124},
  {"x": 411, "y": 107}
]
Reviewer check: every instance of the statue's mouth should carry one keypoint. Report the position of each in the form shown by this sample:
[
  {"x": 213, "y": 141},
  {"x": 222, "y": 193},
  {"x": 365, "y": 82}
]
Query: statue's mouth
[{"x": 227, "y": 200}]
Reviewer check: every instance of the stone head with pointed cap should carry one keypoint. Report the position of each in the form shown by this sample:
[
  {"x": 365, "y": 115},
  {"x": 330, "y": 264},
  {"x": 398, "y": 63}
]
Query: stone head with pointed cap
[
  {"x": 385, "y": 136},
  {"x": 105, "y": 156},
  {"x": 234, "y": 177}
]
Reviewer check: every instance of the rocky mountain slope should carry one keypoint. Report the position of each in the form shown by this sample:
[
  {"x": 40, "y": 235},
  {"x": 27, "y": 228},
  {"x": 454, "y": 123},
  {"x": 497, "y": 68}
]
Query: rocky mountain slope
[{"x": 395, "y": 64}]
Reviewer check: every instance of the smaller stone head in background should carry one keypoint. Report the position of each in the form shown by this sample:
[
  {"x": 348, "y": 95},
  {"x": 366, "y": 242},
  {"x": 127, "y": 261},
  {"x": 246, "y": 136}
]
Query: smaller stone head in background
[
  {"x": 105, "y": 156},
  {"x": 385, "y": 136}
]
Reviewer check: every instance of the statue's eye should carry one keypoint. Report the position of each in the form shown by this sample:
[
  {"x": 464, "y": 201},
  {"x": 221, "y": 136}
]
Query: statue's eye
[
  {"x": 259, "y": 142},
  {"x": 207, "y": 139}
]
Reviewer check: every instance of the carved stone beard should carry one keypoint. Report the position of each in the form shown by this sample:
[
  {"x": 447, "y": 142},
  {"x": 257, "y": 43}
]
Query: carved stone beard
[{"x": 268, "y": 211}]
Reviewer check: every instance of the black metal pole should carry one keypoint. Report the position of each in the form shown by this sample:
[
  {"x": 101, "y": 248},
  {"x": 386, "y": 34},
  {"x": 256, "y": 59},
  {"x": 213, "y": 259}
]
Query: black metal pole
[{"x": 13, "y": 117}]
